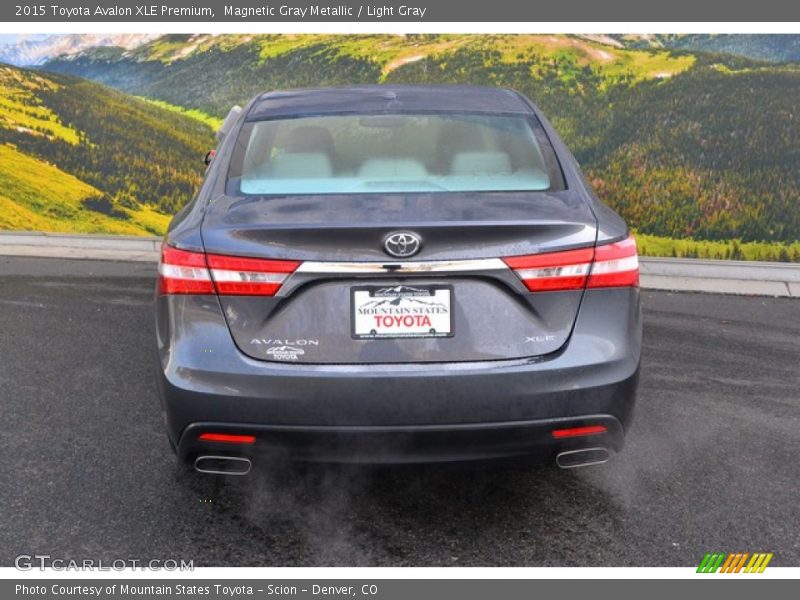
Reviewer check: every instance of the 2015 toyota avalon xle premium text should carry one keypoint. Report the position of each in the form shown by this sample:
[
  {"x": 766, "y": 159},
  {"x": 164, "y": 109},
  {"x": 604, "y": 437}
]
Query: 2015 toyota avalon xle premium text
[{"x": 389, "y": 274}]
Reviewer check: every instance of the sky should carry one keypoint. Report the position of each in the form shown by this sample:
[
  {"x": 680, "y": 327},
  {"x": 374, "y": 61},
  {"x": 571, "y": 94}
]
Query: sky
[{"x": 12, "y": 38}]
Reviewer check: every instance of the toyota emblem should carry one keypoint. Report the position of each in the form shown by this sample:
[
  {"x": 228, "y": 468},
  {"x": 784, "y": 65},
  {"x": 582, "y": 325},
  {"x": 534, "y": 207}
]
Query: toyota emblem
[{"x": 402, "y": 244}]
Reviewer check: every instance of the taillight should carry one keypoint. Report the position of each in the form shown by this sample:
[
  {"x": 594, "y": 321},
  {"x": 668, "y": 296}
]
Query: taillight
[
  {"x": 609, "y": 265},
  {"x": 235, "y": 276},
  {"x": 615, "y": 265},
  {"x": 183, "y": 272},
  {"x": 554, "y": 270}
]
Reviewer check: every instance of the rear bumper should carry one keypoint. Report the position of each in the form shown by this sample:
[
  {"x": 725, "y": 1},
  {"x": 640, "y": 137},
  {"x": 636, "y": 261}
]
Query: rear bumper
[
  {"x": 409, "y": 444},
  {"x": 398, "y": 413}
]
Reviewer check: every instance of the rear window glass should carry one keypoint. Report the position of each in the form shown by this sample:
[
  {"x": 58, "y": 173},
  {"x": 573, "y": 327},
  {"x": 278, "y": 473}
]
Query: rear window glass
[{"x": 384, "y": 153}]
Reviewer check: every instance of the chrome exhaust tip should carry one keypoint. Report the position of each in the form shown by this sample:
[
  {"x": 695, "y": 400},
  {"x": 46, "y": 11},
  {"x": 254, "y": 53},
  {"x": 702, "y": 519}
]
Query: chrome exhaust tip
[
  {"x": 570, "y": 459},
  {"x": 222, "y": 465}
]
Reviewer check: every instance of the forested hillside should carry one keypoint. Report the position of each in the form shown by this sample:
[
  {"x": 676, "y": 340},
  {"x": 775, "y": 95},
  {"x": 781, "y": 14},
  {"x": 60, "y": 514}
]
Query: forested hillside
[
  {"x": 213, "y": 72},
  {"x": 777, "y": 48},
  {"x": 710, "y": 153},
  {"x": 684, "y": 144},
  {"x": 79, "y": 156}
]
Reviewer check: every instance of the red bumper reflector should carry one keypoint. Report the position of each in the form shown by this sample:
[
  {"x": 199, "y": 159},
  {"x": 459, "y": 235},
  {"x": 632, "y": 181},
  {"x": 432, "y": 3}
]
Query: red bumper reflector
[
  {"x": 579, "y": 431},
  {"x": 227, "y": 438}
]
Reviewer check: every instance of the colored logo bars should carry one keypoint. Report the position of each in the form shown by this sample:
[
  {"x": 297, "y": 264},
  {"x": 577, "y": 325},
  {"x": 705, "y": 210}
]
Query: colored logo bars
[{"x": 734, "y": 563}]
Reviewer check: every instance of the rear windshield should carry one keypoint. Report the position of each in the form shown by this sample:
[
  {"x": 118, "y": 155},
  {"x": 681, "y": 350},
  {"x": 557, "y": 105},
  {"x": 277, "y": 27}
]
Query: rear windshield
[{"x": 338, "y": 154}]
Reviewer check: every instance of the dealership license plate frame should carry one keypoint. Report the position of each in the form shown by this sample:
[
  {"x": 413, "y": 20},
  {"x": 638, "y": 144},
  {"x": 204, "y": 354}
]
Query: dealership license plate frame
[{"x": 432, "y": 288}]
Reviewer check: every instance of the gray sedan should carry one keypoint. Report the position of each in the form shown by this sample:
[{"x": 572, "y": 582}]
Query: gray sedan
[{"x": 395, "y": 274}]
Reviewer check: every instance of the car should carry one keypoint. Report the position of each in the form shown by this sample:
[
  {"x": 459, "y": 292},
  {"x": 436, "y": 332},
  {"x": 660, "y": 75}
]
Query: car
[{"x": 395, "y": 274}]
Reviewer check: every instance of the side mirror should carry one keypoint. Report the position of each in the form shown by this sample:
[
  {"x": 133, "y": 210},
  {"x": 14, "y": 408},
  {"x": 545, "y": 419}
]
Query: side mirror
[{"x": 209, "y": 157}]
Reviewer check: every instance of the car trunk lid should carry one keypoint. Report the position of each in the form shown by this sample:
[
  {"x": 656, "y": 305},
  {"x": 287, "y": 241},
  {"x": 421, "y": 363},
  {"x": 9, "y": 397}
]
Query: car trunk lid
[{"x": 477, "y": 307}]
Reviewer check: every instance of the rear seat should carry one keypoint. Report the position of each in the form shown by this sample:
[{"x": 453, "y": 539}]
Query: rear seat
[
  {"x": 295, "y": 165},
  {"x": 404, "y": 168},
  {"x": 481, "y": 163}
]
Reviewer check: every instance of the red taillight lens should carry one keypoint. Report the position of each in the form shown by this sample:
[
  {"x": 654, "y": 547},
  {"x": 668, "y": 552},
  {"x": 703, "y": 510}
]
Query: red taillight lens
[
  {"x": 609, "y": 265},
  {"x": 236, "y": 276},
  {"x": 615, "y": 265},
  {"x": 579, "y": 431},
  {"x": 553, "y": 271},
  {"x": 227, "y": 438},
  {"x": 182, "y": 272}
]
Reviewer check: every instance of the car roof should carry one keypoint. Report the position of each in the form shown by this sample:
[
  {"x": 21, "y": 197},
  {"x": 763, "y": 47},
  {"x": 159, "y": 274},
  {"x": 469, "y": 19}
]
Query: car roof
[{"x": 387, "y": 98}]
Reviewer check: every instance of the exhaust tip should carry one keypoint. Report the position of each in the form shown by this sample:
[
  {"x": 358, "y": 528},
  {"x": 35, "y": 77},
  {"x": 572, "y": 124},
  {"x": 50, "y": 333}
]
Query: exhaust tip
[
  {"x": 223, "y": 465},
  {"x": 584, "y": 457}
]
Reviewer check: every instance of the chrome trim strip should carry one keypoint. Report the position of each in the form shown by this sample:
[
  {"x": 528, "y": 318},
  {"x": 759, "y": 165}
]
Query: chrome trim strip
[{"x": 433, "y": 266}]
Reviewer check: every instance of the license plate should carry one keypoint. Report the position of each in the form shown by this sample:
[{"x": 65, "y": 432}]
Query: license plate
[{"x": 402, "y": 311}]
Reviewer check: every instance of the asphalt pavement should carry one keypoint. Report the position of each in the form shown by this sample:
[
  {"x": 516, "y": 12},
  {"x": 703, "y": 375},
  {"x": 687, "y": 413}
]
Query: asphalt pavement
[{"x": 712, "y": 462}]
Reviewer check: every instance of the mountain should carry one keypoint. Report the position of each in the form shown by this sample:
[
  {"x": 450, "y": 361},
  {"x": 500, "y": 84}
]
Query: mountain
[
  {"x": 711, "y": 154},
  {"x": 78, "y": 156},
  {"x": 213, "y": 72},
  {"x": 683, "y": 144},
  {"x": 768, "y": 47},
  {"x": 40, "y": 49}
]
